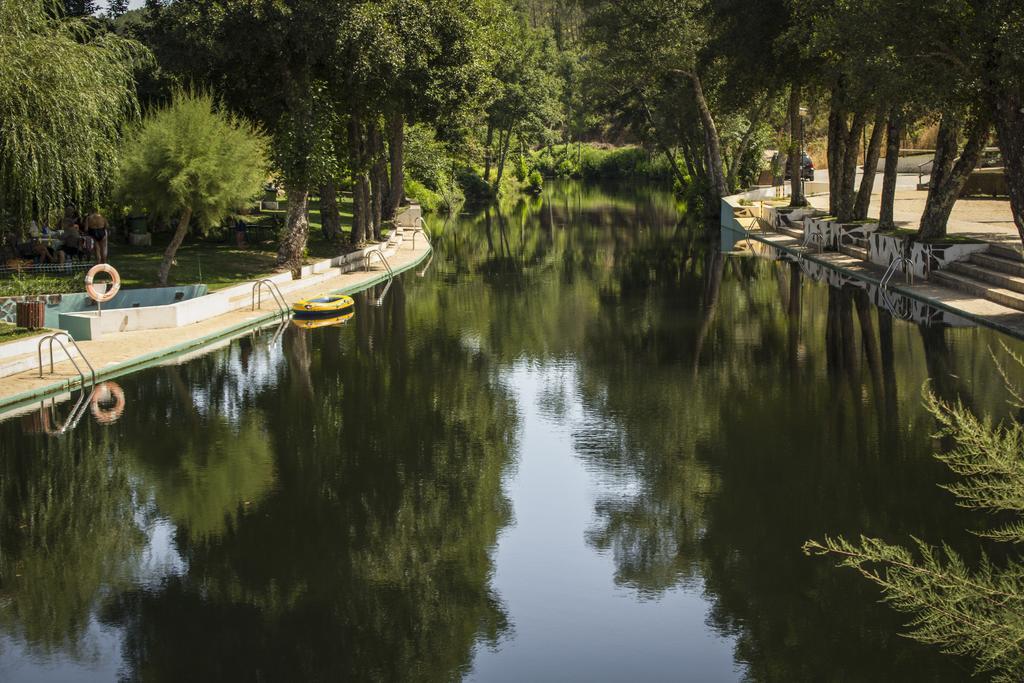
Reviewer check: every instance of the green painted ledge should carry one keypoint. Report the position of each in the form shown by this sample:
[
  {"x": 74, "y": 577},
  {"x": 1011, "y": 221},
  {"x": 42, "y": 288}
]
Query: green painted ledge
[{"x": 142, "y": 362}]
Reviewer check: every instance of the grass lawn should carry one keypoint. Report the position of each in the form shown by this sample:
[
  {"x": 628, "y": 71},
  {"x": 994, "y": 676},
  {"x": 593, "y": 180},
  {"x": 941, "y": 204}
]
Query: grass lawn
[
  {"x": 213, "y": 260},
  {"x": 216, "y": 261},
  {"x": 9, "y": 332}
]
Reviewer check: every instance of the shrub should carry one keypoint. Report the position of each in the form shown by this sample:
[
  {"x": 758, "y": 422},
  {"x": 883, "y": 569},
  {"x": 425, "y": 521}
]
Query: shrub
[
  {"x": 195, "y": 160},
  {"x": 536, "y": 181},
  {"x": 429, "y": 200}
]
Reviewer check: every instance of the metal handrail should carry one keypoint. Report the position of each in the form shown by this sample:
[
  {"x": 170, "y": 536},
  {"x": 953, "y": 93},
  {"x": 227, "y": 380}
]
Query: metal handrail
[
  {"x": 920, "y": 170},
  {"x": 422, "y": 230},
  {"x": 380, "y": 255},
  {"x": 819, "y": 239},
  {"x": 56, "y": 338},
  {"x": 275, "y": 291},
  {"x": 899, "y": 261}
]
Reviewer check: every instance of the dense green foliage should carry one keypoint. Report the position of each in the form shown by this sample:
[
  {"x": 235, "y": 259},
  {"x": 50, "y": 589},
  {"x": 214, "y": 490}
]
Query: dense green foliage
[
  {"x": 65, "y": 92},
  {"x": 190, "y": 160}
]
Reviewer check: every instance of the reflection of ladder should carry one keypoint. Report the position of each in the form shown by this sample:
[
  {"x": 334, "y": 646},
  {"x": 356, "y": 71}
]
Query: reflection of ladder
[
  {"x": 74, "y": 417},
  {"x": 56, "y": 338},
  {"x": 379, "y": 301},
  {"x": 275, "y": 291}
]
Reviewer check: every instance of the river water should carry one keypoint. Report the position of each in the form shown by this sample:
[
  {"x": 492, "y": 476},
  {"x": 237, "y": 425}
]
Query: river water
[{"x": 583, "y": 445}]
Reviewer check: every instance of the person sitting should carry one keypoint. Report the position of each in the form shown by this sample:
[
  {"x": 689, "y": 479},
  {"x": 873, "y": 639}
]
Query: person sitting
[{"x": 71, "y": 243}]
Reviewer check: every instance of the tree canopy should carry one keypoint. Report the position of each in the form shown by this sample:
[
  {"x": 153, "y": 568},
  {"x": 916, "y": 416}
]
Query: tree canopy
[{"x": 66, "y": 91}]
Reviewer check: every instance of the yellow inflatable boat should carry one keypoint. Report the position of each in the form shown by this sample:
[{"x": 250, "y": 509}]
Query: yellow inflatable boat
[
  {"x": 331, "y": 305},
  {"x": 314, "y": 323}
]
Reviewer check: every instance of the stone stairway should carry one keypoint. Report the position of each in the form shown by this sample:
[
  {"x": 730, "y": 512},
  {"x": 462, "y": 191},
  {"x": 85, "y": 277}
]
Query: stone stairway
[{"x": 996, "y": 275}]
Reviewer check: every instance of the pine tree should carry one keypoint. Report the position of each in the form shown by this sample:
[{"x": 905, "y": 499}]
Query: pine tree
[
  {"x": 116, "y": 8},
  {"x": 976, "y": 611}
]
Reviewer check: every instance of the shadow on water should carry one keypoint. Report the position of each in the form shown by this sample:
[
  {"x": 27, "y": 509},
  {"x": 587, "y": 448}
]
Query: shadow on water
[{"x": 343, "y": 502}]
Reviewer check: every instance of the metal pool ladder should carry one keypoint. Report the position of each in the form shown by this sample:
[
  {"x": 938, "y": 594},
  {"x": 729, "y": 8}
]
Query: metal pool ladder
[
  {"x": 56, "y": 338},
  {"x": 275, "y": 291},
  {"x": 380, "y": 256},
  {"x": 421, "y": 230},
  {"x": 899, "y": 261}
]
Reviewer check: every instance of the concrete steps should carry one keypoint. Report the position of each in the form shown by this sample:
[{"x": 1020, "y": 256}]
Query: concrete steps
[
  {"x": 996, "y": 274},
  {"x": 982, "y": 290},
  {"x": 988, "y": 275},
  {"x": 1001, "y": 264},
  {"x": 1005, "y": 252}
]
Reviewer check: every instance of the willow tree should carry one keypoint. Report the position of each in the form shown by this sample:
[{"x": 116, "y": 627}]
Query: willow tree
[
  {"x": 66, "y": 90},
  {"x": 195, "y": 161}
]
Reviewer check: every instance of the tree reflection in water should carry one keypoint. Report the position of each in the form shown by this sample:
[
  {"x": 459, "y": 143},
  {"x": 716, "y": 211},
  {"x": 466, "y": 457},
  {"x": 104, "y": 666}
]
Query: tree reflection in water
[{"x": 336, "y": 496}]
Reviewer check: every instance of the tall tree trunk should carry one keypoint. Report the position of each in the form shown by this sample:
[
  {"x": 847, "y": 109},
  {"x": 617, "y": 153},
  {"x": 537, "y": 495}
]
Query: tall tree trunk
[
  {"x": 503, "y": 156},
  {"x": 948, "y": 177},
  {"x": 1009, "y": 108},
  {"x": 732, "y": 177},
  {"x": 293, "y": 246},
  {"x": 848, "y": 189},
  {"x": 360, "y": 203},
  {"x": 871, "y": 156},
  {"x": 396, "y": 153},
  {"x": 360, "y": 209},
  {"x": 330, "y": 216},
  {"x": 716, "y": 174},
  {"x": 894, "y": 133},
  {"x": 489, "y": 141},
  {"x": 836, "y": 155},
  {"x": 172, "y": 248},
  {"x": 796, "y": 134},
  {"x": 378, "y": 179}
]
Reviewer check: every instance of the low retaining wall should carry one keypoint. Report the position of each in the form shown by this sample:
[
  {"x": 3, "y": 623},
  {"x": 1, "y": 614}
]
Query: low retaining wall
[
  {"x": 23, "y": 354},
  {"x": 924, "y": 257},
  {"x": 835, "y": 235},
  {"x": 90, "y": 325}
]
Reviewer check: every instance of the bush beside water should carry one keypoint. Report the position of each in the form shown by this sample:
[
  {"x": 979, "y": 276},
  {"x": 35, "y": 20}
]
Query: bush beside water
[{"x": 595, "y": 162}]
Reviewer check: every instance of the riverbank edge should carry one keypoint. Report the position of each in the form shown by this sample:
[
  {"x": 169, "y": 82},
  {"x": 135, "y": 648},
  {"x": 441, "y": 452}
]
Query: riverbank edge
[
  {"x": 733, "y": 231},
  {"x": 135, "y": 364}
]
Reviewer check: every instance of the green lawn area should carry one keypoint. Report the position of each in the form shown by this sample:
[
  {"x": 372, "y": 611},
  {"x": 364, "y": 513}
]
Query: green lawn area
[
  {"x": 9, "y": 332},
  {"x": 216, "y": 261},
  {"x": 213, "y": 260}
]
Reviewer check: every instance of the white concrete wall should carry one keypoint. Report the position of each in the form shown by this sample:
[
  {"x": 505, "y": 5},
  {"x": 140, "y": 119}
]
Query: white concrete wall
[{"x": 93, "y": 325}]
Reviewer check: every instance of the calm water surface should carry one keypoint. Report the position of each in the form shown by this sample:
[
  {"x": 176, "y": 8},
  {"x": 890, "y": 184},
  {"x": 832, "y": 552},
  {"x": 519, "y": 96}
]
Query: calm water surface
[{"x": 582, "y": 446}]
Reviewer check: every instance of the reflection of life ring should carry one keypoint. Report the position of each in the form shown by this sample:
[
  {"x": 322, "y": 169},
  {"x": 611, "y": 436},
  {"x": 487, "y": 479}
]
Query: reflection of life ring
[
  {"x": 105, "y": 394},
  {"x": 112, "y": 290}
]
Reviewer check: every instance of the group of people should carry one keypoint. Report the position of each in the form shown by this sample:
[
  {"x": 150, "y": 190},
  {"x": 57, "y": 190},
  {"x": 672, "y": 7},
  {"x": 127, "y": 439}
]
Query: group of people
[{"x": 75, "y": 238}]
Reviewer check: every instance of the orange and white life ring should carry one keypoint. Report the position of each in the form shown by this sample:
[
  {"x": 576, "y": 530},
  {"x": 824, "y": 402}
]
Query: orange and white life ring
[
  {"x": 105, "y": 394},
  {"x": 112, "y": 289}
]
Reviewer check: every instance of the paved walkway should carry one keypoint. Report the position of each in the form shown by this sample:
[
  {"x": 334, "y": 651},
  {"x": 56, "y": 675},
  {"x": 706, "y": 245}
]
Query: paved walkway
[
  {"x": 115, "y": 354},
  {"x": 990, "y": 220}
]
